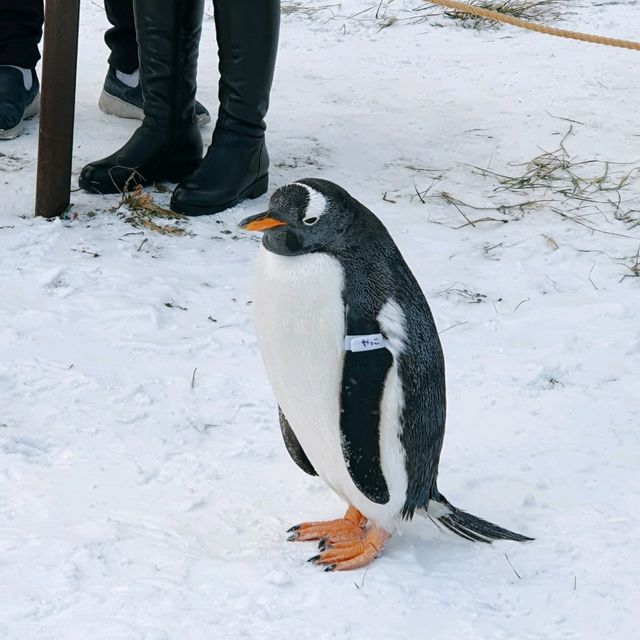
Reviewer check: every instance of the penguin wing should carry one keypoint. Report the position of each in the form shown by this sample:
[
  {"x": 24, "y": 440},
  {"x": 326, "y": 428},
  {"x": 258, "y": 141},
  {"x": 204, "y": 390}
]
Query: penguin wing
[
  {"x": 293, "y": 446},
  {"x": 363, "y": 379}
]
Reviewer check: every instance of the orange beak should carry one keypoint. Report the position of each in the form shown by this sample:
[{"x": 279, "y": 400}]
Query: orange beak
[{"x": 261, "y": 222}]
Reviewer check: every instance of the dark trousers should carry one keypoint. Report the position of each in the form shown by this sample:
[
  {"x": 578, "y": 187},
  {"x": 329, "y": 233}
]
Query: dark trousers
[
  {"x": 21, "y": 30},
  {"x": 121, "y": 38}
]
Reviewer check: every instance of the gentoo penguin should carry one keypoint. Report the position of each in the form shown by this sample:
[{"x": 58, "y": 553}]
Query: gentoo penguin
[{"x": 353, "y": 355}]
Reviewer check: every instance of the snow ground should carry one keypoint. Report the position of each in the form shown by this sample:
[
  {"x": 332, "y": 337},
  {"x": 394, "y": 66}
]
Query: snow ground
[{"x": 141, "y": 501}]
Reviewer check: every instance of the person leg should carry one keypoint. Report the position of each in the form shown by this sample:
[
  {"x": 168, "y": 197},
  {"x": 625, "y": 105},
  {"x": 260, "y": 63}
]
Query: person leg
[
  {"x": 236, "y": 165},
  {"x": 121, "y": 94},
  {"x": 121, "y": 37},
  {"x": 20, "y": 33},
  {"x": 168, "y": 145}
]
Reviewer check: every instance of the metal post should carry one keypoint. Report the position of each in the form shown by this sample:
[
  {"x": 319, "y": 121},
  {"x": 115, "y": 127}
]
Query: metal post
[{"x": 57, "y": 104}]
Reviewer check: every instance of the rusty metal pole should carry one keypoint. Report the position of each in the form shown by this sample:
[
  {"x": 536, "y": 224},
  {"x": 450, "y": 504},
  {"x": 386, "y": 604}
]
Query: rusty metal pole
[{"x": 57, "y": 105}]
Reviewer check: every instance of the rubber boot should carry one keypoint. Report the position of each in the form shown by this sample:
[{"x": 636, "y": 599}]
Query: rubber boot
[
  {"x": 168, "y": 145},
  {"x": 236, "y": 165}
]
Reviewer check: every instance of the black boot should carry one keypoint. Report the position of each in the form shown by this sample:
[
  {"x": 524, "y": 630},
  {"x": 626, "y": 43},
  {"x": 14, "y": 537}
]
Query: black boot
[
  {"x": 167, "y": 146},
  {"x": 236, "y": 165}
]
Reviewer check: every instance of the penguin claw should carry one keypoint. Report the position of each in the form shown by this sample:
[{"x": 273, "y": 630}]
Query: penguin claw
[
  {"x": 353, "y": 554},
  {"x": 330, "y": 531}
]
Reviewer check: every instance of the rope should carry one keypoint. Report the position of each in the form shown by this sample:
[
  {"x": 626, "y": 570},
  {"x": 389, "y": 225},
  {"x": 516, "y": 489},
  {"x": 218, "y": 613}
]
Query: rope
[{"x": 497, "y": 16}]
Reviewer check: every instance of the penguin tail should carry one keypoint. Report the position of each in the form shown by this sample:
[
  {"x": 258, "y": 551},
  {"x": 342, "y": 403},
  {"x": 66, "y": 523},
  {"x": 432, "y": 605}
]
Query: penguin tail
[{"x": 468, "y": 526}]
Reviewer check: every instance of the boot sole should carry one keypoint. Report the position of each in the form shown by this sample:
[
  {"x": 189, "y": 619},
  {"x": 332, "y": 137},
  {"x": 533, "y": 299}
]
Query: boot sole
[
  {"x": 32, "y": 109},
  {"x": 256, "y": 190},
  {"x": 114, "y": 106}
]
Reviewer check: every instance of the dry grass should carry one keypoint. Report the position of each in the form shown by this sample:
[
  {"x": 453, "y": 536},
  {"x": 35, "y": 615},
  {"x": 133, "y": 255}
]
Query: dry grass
[
  {"x": 580, "y": 190},
  {"x": 598, "y": 195},
  {"x": 380, "y": 13},
  {"x": 591, "y": 193},
  {"x": 385, "y": 13},
  {"x": 141, "y": 211},
  {"x": 632, "y": 265},
  {"x": 463, "y": 293},
  {"x": 533, "y": 10},
  {"x": 290, "y": 7}
]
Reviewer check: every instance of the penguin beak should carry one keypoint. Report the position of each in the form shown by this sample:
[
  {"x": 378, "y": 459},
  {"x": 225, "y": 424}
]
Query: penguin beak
[{"x": 262, "y": 222}]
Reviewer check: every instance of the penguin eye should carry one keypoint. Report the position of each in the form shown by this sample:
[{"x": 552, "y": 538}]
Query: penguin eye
[{"x": 310, "y": 221}]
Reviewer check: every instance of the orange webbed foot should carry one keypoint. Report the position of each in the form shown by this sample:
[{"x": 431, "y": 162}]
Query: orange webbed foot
[
  {"x": 346, "y": 543},
  {"x": 352, "y": 554},
  {"x": 351, "y": 527}
]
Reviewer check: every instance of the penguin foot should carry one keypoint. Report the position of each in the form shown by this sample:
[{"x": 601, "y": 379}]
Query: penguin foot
[
  {"x": 349, "y": 528},
  {"x": 353, "y": 554}
]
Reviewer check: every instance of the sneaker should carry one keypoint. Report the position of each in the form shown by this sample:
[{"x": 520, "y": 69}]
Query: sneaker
[
  {"x": 16, "y": 103},
  {"x": 118, "y": 99}
]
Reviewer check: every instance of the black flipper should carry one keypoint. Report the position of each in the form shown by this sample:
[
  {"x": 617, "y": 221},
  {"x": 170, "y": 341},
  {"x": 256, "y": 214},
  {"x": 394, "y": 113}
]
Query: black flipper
[
  {"x": 363, "y": 379},
  {"x": 471, "y": 527},
  {"x": 293, "y": 446}
]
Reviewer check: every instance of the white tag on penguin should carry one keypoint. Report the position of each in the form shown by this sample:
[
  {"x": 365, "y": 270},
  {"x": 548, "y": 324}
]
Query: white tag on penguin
[{"x": 369, "y": 342}]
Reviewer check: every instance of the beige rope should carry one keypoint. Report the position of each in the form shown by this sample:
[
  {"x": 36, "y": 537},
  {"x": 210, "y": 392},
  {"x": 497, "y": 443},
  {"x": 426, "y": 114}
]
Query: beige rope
[{"x": 533, "y": 26}]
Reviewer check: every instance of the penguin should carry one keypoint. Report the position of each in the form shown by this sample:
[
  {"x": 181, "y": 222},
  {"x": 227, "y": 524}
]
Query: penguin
[{"x": 352, "y": 353}]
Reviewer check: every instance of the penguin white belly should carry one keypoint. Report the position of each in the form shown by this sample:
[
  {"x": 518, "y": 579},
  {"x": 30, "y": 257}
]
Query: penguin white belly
[{"x": 299, "y": 320}]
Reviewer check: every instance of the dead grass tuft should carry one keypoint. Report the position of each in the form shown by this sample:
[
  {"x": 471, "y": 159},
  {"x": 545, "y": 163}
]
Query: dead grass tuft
[
  {"x": 534, "y": 10},
  {"x": 632, "y": 264},
  {"x": 579, "y": 190},
  {"x": 141, "y": 211},
  {"x": 306, "y": 8},
  {"x": 591, "y": 193}
]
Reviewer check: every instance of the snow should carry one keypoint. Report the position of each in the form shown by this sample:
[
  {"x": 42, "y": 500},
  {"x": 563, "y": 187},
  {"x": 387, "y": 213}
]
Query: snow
[{"x": 144, "y": 487}]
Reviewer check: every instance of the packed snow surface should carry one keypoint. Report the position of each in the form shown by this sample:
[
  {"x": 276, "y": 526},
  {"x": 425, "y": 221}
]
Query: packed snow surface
[{"x": 144, "y": 487}]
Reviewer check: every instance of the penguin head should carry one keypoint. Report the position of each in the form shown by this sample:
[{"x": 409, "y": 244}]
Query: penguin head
[{"x": 304, "y": 217}]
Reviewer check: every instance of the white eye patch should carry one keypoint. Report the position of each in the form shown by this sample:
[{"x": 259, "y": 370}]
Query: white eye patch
[{"x": 316, "y": 207}]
